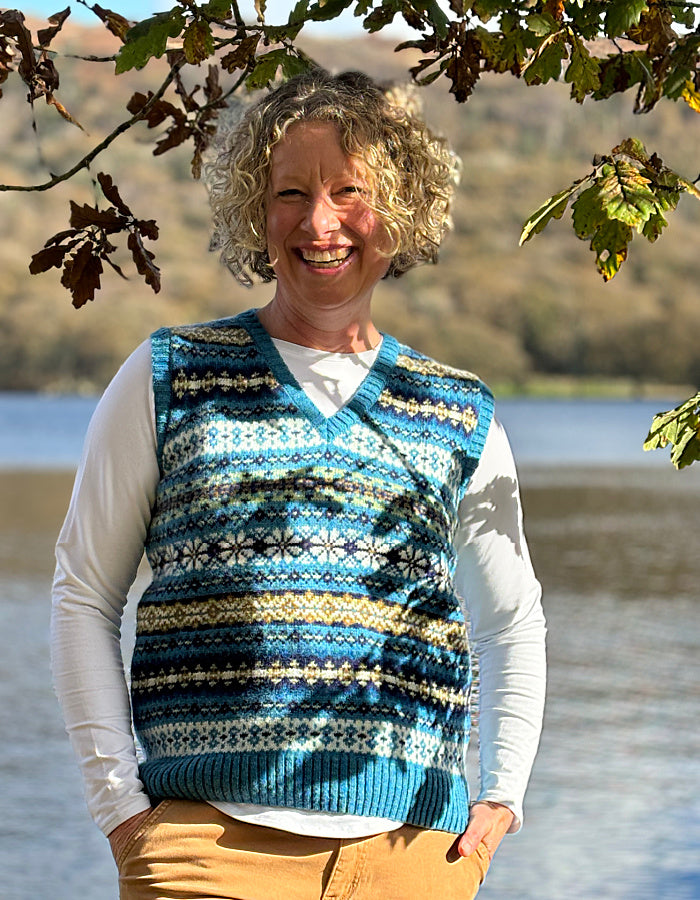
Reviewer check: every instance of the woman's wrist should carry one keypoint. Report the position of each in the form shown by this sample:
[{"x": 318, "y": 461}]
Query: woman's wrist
[{"x": 119, "y": 836}]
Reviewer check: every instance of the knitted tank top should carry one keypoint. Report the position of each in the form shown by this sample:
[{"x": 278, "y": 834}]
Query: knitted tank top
[{"x": 301, "y": 643}]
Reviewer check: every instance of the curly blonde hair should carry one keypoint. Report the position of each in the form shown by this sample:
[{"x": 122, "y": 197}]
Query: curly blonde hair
[{"x": 411, "y": 172}]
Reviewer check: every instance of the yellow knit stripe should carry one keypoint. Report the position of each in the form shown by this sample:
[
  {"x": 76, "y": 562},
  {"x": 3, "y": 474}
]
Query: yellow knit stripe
[
  {"x": 204, "y": 333},
  {"x": 464, "y": 416},
  {"x": 192, "y": 384},
  {"x": 308, "y": 608},
  {"x": 432, "y": 367},
  {"x": 295, "y": 673}
]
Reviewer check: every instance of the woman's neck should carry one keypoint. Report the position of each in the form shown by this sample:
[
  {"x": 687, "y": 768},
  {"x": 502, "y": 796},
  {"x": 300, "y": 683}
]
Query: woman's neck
[{"x": 330, "y": 330}]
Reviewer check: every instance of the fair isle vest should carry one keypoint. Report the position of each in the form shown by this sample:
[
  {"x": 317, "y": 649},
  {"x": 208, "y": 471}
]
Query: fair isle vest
[{"x": 301, "y": 644}]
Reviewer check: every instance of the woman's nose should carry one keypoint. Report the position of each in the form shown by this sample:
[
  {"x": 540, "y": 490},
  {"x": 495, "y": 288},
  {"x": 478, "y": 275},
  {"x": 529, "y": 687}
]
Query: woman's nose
[{"x": 321, "y": 216}]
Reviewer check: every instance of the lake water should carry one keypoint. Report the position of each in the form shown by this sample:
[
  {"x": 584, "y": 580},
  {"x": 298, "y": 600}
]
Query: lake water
[{"x": 613, "y": 809}]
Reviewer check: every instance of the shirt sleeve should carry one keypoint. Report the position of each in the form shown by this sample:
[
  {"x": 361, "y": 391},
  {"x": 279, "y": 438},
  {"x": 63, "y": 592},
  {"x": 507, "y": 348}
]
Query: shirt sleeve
[
  {"x": 502, "y": 600},
  {"x": 97, "y": 556}
]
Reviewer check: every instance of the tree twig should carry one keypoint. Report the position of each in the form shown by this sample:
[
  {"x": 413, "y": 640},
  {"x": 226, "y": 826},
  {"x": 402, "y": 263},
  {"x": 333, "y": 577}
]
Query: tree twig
[{"x": 120, "y": 129}]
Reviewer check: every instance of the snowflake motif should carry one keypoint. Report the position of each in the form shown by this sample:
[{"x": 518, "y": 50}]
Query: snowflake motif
[
  {"x": 443, "y": 581},
  {"x": 369, "y": 553},
  {"x": 164, "y": 561},
  {"x": 412, "y": 562},
  {"x": 328, "y": 547},
  {"x": 195, "y": 554},
  {"x": 283, "y": 545},
  {"x": 237, "y": 549}
]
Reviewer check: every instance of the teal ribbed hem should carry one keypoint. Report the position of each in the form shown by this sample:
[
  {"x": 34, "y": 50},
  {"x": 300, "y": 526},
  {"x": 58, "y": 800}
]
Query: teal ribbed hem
[{"x": 329, "y": 782}]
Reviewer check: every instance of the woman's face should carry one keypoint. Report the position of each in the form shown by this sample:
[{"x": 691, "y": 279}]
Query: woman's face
[{"x": 322, "y": 238}]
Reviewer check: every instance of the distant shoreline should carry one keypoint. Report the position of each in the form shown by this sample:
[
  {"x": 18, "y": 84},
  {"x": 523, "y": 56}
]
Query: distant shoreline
[
  {"x": 591, "y": 387},
  {"x": 555, "y": 387}
]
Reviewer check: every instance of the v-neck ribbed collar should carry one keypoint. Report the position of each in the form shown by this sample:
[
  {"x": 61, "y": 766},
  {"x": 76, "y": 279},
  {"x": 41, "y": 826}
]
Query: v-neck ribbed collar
[{"x": 360, "y": 402}]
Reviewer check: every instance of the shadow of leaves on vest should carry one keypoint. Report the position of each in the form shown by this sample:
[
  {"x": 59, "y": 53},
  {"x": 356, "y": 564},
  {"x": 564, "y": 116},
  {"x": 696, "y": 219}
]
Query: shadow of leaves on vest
[{"x": 252, "y": 650}]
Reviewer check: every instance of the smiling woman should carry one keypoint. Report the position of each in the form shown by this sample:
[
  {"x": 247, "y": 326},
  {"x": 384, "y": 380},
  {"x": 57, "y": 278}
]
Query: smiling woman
[
  {"x": 324, "y": 242},
  {"x": 323, "y": 510},
  {"x": 407, "y": 173}
]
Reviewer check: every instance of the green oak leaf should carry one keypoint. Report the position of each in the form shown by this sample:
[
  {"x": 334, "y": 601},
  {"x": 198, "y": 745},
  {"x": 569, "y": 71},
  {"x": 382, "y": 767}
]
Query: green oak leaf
[
  {"x": 438, "y": 19},
  {"x": 541, "y": 24},
  {"x": 626, "y": 195},
  {"x": 216, "y": 9},
  {"x": 583, "y": 71},
  {"x": 487, "y": 9},
  {"x": 298, "y": 14},
  {"x": 148, "y": 39},
  {"x": 324, "y": 11},
  {"x": 588, "y": 213},
  {"x": 610, "y": 246},
  {"x": 679, "y": 427},
  {"x": 553, "y": 208},
  {"x": 198, "y": 42},
  {"x": 621, "y": 15},
  {"x": 267, "y": 64},
  {"x": 654, "y": 226},
  {"x": 546, "y": 64}
]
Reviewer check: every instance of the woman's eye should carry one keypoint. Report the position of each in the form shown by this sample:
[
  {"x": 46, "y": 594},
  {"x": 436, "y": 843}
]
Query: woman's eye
[
  {"x": 289, "y": 192},
  {"x": 351, "y": 189}
]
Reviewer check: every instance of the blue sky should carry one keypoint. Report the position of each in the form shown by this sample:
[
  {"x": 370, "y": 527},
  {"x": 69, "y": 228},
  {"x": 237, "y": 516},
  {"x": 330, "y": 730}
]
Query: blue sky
[{"x": 277, "y": 13}]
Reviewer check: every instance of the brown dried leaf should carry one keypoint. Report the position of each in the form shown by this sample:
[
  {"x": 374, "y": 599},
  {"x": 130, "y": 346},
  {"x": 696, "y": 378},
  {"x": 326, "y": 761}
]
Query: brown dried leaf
[
  {"x": 148, "y": 228},
  {"x": 81, "y": 274},
  {"x": 48, "y": 258},
  {"x": 45, "y": 77},
  {"x": 243, "y": 54},
  {"x": 87, "y": 216},
  {"x": 143, "y": 260},
  {"x": 12, "y": 26},
  {"x": 555, "y": 8},
  {"x": 158, "y": 113},
  {"x": 116, "y": 24},
  {"x": 212, "y": 86},
  {"x": 198, "y": 42},
  {"x": 5, "y": 60},
  {"x": 177, "y": 134},
  {"x": 46, "y": 35},
  {"x": 114, "y": 266},
  {"x": 109, "y": 189},
  {"x": 62, "y": 236},
  {"x": 52, "y": 101},
  {"x": 464, "y": 70}
]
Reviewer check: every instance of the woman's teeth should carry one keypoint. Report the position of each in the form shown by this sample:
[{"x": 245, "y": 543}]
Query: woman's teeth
[{"x": 326, "y": 259}]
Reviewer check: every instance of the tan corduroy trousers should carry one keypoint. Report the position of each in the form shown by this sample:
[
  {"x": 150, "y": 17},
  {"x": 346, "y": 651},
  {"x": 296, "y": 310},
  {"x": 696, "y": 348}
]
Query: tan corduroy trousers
[{"x": 190, "y": 851}]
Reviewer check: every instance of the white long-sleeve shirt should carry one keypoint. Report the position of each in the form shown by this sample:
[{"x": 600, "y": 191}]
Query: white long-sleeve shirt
[{"x": 102, "y": 541}]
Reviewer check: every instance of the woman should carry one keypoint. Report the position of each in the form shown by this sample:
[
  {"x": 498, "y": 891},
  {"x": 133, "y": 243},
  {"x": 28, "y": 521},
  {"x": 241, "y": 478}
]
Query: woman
[{"x": 312, "y": 496}]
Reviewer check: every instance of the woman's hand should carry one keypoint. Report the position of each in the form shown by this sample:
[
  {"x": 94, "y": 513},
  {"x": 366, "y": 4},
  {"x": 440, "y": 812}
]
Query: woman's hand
[
  {"x": 488, "y": 822},
  {"x": 119, "y": 837}
]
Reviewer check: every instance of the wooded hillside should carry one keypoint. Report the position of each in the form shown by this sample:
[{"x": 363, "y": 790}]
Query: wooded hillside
[{"x": 510, "y": 314}]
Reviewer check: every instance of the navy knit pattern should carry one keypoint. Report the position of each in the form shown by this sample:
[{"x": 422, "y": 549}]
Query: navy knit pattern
[{"x": 301, "y": 643}]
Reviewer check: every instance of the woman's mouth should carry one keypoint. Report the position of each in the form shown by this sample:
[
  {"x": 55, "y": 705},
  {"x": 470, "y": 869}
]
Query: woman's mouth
[{"x": 326, "y": 259}]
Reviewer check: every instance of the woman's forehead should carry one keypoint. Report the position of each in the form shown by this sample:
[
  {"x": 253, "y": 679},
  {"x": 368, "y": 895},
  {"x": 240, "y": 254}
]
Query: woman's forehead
[{"x": 310, "y": 146}]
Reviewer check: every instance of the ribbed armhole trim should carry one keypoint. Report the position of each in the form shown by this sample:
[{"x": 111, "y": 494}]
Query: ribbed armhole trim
[
  {"x": 160, "y": 356},
  {"x": 486, "y": 409}
]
